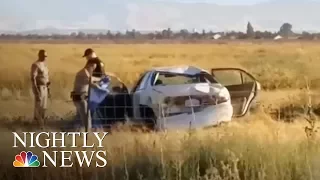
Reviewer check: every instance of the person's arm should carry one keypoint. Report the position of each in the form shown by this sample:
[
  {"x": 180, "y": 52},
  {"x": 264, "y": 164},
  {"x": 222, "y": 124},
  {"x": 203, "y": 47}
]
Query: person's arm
[
  {"x": 94, "y": 80},
  {"x": 48, "y": 84},
  {"x": 92, "y": 68},
  {"x": 109, "y": 73},
  {"x": 113, "y": 75},
  {"x": 33, "y": 76}
]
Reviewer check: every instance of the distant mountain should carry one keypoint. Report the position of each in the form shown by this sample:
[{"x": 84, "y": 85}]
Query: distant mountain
[{"x": 155, "y": 15}]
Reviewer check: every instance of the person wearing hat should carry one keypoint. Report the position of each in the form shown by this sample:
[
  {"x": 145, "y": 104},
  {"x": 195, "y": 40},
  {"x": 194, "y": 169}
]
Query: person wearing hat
[
  {"x": 40, "y": 85},
  {"x": 99, "y": 71},
  {"x": 80, "y": 92},
  {"x": 91, "y": 57}
]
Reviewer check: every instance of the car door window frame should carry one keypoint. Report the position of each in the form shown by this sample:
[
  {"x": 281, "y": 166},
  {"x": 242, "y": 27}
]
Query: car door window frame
[
  {"x": 241, "y": 71},
  {"x": 136, "y": 87},
  {"x": 142, "y": 83}
]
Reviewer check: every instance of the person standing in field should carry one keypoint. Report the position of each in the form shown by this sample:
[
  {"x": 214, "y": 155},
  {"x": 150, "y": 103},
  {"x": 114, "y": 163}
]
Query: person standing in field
[
  {"x": 80, "y": 92},
  {"x": 40, "y": 83},
  {"x": 99, "y": 72},
  {"x": 91, "y": 57}
]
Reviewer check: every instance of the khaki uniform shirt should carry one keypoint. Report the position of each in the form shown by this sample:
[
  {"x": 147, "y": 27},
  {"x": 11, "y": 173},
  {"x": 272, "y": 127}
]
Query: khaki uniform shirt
[
  {"x": 81, "y": 82},
  {"x": 40, "y": 73}
]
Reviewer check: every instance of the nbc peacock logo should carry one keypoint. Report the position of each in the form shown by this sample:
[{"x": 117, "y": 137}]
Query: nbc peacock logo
[{"x": 26, "y": 160}]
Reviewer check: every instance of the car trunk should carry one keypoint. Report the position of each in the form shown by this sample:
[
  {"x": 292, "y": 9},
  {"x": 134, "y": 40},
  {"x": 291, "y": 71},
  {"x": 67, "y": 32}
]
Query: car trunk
[{"x": 188, "y": 98}]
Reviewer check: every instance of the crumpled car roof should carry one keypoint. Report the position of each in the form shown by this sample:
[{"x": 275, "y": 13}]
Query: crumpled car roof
[{"x": 189, "y": 70}]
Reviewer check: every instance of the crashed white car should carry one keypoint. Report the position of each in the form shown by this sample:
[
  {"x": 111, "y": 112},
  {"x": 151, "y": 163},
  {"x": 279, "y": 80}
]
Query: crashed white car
[{"x": 187, "y": 97}]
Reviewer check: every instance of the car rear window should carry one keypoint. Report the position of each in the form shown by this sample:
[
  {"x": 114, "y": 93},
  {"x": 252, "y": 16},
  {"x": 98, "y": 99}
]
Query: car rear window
[{"x": 168, "y": 78}]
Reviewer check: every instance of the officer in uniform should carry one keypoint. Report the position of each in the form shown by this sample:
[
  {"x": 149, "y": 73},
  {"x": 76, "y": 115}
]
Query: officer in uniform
[
  {"x": 80, "y": 92},
  {"x": 99, "y": 72},
  {"x": 91, "y": 57},
  {"x": 40, "y": 85}
]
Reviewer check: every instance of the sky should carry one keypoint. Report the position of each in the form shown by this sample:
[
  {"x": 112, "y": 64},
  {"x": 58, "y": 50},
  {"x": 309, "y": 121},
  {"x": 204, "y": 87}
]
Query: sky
[
  {"x": 20, "y": 15},
  {"x": 222, "y": 2}
]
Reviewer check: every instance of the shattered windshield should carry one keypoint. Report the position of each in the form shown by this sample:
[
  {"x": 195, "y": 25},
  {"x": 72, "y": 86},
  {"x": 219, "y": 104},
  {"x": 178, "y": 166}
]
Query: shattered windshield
[{"x": 168, "y": 78}]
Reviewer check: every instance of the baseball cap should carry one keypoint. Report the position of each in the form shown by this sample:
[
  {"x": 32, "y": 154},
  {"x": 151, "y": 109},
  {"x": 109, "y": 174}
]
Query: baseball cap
[
  {"x": 42, "y": 52},
  {"x": 87, "y": 52}
]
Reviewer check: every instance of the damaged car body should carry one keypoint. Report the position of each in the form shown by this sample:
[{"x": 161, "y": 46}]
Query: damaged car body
[{"x": 183, "y": 97}]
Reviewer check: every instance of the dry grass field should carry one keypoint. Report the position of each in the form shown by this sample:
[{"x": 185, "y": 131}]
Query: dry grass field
[{"x": 257, "y": 147}]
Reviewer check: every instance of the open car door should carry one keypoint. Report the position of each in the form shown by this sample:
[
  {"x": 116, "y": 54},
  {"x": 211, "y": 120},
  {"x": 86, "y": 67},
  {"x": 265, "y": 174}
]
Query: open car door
[
  {"x": 115, "y": 106},
  {"x": 242, "y": 86}
]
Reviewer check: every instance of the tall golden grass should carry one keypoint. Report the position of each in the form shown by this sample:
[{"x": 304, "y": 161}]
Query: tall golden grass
[
  {"x": 254, "y": 147},
  {"x": 275, "y": 65}
]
